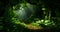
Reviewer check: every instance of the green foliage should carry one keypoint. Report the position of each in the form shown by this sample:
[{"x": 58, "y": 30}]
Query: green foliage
[{"x": 11, "y": 23}]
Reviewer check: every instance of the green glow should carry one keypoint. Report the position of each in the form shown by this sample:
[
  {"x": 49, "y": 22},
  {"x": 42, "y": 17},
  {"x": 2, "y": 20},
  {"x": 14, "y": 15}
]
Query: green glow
[
  {"x": 43, "y": 8},
  {"x": 34, "y": 24},
  {"x": 46, "y": 22},
  {"x": 37, "y": 23},
  {"x": 17, "y": 22},
  {"x": 40, "y": 21}
]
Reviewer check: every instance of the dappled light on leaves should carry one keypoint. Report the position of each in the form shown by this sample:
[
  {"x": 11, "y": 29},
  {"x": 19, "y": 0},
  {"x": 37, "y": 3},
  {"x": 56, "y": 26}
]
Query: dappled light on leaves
[{"x": 29, "y": 16}]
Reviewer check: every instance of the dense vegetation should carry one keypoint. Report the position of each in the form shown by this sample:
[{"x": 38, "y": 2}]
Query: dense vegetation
[{"x": 29, "y": 16}]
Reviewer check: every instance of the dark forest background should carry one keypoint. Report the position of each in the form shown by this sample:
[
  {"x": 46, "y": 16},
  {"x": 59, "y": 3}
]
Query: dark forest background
[{"x": 6, "y": 14}]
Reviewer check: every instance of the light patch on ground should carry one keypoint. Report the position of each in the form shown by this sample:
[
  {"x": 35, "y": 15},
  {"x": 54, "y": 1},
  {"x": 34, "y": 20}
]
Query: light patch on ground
[{"x": 29, "y": 26}]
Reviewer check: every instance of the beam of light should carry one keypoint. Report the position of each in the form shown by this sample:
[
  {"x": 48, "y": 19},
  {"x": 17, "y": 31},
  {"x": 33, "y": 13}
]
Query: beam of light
[
  {"x": 24, "y": 11},
  {"x": 21, "y": 13}
]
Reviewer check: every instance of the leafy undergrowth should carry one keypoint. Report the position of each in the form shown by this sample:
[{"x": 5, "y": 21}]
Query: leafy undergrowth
[{"x": 35, "y": 25}]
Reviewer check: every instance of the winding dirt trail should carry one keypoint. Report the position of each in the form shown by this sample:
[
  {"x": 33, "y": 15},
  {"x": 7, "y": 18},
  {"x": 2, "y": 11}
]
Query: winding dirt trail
[{"x": 33, "y": 27}]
